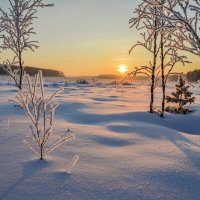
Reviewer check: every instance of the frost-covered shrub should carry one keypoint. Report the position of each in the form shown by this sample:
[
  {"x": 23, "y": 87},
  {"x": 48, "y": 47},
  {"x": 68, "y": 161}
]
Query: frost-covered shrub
[
  {"x": 40, "y": 110},
  {"x": 82, "y": 81}
]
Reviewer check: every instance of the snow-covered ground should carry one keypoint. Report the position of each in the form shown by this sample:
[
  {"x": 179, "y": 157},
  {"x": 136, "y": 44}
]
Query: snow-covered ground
[{"x": 125, "y": 152}]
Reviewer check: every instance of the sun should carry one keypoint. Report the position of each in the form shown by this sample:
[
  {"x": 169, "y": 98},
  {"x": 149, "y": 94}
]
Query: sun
[{"x": 122, "y": 69}]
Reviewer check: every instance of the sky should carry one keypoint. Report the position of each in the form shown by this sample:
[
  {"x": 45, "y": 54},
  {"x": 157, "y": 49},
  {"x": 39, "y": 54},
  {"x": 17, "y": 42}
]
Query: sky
[{"x": 87, "y": 37}]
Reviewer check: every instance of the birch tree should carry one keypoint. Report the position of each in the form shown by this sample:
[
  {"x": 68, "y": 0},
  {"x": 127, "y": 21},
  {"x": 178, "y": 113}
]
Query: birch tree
[
  {"x": 169, "y": 55},
  {"x": 146, "y": 19},
  {"x": 17, "y": 26},
  {"x": 157, "y": 40}
]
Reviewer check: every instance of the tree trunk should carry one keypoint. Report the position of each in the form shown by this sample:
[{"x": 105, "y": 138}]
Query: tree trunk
[
  {"x": 21, "y": 71},
  {"x": 19, "y": 50},
  {"x": 163, "y": 74},
  {"x": 41, "y": 152},
  {"x": 153, "y": 67}
]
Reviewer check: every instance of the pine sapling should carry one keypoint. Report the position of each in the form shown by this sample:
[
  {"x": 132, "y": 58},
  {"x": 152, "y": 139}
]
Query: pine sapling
[{"x": 182, "y": 96}]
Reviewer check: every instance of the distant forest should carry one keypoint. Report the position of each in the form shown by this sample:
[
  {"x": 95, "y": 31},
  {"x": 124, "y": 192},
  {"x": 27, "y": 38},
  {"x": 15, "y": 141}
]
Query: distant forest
[
  {"x": 192, "y": 76},
  {"x": 108, "y": 76},
  {"x": 33, "y": 70}
]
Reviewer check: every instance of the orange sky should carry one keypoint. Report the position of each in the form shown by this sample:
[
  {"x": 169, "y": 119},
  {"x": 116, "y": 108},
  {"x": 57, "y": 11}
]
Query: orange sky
[{"x": 88, "y": 38}]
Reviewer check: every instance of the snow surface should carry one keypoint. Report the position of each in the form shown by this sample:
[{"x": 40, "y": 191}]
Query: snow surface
[{"x": 125, "y": 152}]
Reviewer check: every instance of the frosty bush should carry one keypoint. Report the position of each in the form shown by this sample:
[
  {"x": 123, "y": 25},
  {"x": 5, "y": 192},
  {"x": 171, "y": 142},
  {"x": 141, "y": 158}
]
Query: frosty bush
[
  {"x": 82, "y": 81},
  {"x": 41, "y": 113}
]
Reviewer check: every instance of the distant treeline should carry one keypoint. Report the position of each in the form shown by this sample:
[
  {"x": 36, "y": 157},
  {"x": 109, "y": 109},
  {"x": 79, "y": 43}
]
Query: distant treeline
[
  {"x": 114, "y": 76},
  {"x": 192, "y": 76},
  {"x": 108, "y": 76},
  {"x": 33, "y": 70}
]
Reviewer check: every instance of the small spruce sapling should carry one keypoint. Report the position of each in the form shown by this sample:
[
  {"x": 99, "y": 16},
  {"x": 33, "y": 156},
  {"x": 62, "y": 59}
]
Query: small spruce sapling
[
  {"x": 182, "y": 96},
  {"x": 41, "y": 113}
]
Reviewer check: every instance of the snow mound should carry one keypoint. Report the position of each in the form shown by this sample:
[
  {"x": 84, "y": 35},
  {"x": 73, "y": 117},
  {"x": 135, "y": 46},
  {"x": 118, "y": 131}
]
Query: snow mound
[{"x": 125, "y": 152}]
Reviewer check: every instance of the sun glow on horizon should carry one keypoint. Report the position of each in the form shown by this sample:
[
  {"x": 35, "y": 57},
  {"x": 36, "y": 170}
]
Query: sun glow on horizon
[{"x": 122, "y": 69}]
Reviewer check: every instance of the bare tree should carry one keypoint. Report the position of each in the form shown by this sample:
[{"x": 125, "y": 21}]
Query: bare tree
[
  {"x": 157, "y": 40},
  {"x": 41, "y": 113},
  {"x": 162, "y": 58},
  {"x": 169, "y": 56},
  {"x": 146, "y": 18},
  {"x": 17, "y": 26}
]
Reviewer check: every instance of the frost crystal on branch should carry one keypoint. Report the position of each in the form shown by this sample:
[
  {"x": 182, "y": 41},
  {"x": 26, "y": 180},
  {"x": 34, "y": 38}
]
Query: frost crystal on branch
[
  {"x": 14, "y": 73},
  {"x": 184, "y": 23},
  {"x": 41, "y": 113}
]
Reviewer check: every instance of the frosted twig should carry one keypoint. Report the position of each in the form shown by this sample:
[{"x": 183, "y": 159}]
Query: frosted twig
[
  {"x": 8, "y": 123},
  {"x": 73, "y": 163}
]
